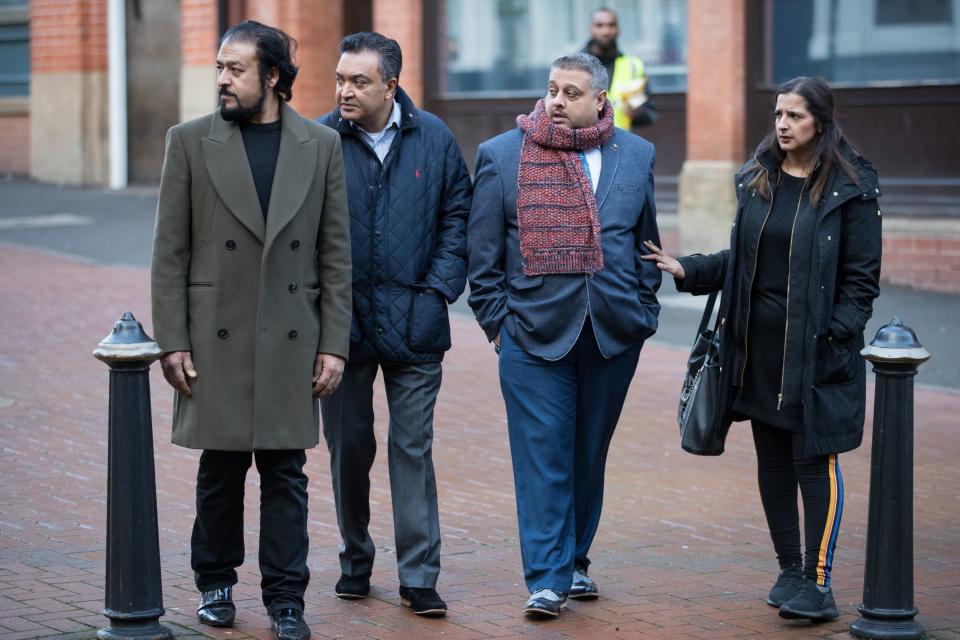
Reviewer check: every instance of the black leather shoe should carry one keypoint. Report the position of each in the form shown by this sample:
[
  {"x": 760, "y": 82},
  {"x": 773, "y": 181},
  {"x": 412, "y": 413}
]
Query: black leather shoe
[
  {"x": 353, "y": 587},
  {"x": 288, "y": 624},
  {"x": 423, "y": 602},
  {"x": 216, "y": 607}
]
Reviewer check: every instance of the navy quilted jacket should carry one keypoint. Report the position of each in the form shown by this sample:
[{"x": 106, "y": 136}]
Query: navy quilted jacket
[{"x": 408, "y": 220}]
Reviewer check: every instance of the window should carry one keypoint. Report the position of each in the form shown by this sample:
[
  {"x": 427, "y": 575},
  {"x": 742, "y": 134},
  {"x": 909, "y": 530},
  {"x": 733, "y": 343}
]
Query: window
[
  {"x": 14, "y": 49},
  {"x": 863, "y": 42},
  {"x": 505, "y": 47}
]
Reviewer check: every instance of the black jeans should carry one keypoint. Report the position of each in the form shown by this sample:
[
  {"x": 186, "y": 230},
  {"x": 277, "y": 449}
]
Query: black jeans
[
  {"x": 781, "y": 468},
  {"x": 217, "y": 540}
]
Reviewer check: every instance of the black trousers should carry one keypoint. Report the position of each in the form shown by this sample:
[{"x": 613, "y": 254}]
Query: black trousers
[
  {"x": 217, "y": 541},
  {"x": 781, "y": 468}
]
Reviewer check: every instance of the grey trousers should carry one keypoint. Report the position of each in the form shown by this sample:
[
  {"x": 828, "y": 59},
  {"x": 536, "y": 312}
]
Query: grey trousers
[{"x": 348, "y": 429}]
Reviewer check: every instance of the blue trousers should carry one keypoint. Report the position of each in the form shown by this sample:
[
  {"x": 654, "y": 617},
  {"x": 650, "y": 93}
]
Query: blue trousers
[{"x": 561, "y": 415}]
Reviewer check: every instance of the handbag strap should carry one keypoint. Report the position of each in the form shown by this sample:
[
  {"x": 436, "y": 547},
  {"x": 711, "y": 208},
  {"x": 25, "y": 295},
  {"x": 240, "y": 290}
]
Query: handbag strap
[{"x": 707, "y": 312}]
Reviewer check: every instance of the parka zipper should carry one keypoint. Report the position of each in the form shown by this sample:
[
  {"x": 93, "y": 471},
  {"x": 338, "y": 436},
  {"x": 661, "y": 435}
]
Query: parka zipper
[
  {"x": 786, "y": 324},
  {"x": 753, "y": 274}
]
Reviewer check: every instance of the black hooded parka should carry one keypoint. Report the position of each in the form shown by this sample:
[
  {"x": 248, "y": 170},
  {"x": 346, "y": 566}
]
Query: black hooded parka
[{"x": 834, "y": 276}]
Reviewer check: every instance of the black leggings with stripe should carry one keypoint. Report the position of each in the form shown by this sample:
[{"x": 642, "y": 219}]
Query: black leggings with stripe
[{"x": 781, "y": 468}]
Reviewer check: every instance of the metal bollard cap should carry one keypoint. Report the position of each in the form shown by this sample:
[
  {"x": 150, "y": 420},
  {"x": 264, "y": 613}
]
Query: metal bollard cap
[
  {"x": 127, "y": 342},
  {"x": 895, "y": 342}
]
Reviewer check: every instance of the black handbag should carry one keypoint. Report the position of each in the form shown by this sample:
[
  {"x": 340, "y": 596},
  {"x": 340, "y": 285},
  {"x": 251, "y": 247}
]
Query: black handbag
[{"x": 700, "y": 415}]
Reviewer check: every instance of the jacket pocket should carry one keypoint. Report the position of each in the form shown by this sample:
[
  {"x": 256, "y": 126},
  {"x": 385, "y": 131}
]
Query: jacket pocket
[
  {"x": 428, "y": 325},
  {"x": 522, "y": 282},
  {"x": 835, "y": 360}
]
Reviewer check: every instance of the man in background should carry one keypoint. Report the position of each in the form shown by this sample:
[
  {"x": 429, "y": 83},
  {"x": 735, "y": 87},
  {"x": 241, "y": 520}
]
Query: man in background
[{"x": 629, "y": 85}]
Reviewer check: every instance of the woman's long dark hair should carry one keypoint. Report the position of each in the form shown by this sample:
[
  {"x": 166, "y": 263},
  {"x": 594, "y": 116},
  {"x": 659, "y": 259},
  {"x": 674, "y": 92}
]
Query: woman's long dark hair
[{"x": 829, "y": 141}]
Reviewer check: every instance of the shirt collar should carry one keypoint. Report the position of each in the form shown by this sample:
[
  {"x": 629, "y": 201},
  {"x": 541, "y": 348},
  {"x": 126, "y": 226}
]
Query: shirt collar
[{"x": 396, "y": 117}]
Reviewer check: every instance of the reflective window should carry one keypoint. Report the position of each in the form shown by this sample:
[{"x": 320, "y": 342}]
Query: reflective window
[
  {"x": 505, "y": 47},
  {"x": 14, "y": 48},
  {"x": 867, "y": 41}
]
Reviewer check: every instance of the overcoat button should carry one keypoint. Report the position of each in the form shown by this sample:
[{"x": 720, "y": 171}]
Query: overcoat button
[
  {"x": 292, "y": 335},
  {"x": 292, "y": 287},
  {"x": 829, "y": 238},
  {"x": 380, "y": 330},
  {"x": 835, "y": 194},
  {"x": 223, "y": 334},
  {"x": 295, "y": 245},
  {"x": 231, "y": 245}
]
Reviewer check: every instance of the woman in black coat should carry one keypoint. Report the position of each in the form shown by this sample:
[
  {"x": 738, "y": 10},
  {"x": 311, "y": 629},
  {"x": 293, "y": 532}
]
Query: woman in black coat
[{"x": 798, "y": 285}]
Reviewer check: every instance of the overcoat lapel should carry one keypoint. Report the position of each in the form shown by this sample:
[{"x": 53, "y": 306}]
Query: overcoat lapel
[
  {"x": 229, "y": 170},
  {"x": 296, "y": 165},
  {"x": 609, "y": 160}
]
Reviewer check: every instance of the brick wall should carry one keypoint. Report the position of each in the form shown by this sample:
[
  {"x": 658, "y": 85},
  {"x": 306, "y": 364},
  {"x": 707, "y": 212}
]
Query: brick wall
[
  {"x": 68, "y": 91},
  {"x": 198, "y": 33},
  {"x": 403, "y": 21},
  {"x": 15, "y": 144},
  {"x": 925, "y": 260},
  {"x": 716, "y": 95},
  {"x": 68, "y": 36}
]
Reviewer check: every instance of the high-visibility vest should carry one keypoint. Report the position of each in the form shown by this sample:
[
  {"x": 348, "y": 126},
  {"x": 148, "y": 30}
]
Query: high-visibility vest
[{"x": 626, "y": 70}]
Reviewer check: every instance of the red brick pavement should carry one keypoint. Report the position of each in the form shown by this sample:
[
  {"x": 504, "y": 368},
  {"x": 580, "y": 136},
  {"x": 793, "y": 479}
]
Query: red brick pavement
[{"x": 682, "y": 551}]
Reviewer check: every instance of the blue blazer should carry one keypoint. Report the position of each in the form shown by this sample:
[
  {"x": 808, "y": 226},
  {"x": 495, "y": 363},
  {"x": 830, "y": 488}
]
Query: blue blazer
[{"x": 545, "y": 314}]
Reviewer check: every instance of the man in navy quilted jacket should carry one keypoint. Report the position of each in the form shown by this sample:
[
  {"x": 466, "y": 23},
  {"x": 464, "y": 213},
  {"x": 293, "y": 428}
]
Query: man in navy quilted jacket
[{"x": 409, "y": 194}]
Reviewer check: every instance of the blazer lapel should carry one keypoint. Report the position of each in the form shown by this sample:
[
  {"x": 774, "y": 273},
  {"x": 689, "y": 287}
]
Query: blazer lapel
[
  {"x": 229, "y": 170},
  {"x": 296, "y": 165},
  {"x": 610, "y": 159}
]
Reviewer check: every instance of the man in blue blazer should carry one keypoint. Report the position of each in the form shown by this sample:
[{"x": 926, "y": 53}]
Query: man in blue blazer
[{"x": 561, "y": 207}]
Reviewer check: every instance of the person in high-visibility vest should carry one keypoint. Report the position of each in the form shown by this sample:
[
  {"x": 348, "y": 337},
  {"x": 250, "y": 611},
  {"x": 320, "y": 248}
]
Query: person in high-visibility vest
[{"x": 629, "y": 89}]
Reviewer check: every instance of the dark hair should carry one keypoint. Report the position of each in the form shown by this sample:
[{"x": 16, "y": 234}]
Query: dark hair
[
  {"x": 603, "y": 9},
  {"x": 391, "y": 59},
  {"x": 583, "y": 61},
  {"x": 829, "y": 141},
  {"x": 275, "y": 49}
]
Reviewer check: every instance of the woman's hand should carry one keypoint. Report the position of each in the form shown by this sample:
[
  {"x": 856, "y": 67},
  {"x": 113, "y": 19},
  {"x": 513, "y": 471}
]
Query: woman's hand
[{"x": 664, "y": 262}]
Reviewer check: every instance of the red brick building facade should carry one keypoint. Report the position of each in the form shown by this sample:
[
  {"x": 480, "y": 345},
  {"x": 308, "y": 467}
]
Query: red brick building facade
[{"x": 706, "y": 129}]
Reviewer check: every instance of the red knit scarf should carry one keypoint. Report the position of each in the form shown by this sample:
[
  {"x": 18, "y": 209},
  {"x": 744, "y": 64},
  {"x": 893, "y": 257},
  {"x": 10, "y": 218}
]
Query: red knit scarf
[{"x": 556, "y": 210}]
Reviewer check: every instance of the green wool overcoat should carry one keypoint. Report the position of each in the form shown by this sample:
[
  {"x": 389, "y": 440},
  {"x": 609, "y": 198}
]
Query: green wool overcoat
[{"x": 253, "y": 300}]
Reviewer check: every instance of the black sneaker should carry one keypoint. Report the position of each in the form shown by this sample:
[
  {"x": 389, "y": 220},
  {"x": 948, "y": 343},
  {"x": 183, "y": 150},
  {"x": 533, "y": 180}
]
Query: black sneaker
[
  {"x": 423, "y": 601},
  {"x": 352, "y": 587},
  {"x": 583, "y": 587},
  {"x": 216, "y": 607},
  {"x": 812, "y": 602},
  {"x": 786, "y": 586},
  {"x": 545, "y": 603},
  {"x": 288, "y": 624}
]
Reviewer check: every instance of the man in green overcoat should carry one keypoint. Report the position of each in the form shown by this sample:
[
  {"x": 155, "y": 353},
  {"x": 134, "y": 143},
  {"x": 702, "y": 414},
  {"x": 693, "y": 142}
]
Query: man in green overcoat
[{"x": 251, "y": 287}]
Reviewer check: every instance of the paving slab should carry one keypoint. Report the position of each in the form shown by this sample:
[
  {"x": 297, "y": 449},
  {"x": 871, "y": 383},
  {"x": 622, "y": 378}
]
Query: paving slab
[{"x": 682, "y": 550}]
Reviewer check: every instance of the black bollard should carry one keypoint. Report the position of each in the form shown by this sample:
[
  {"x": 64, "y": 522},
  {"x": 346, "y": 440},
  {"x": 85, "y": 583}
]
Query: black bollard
[
  {"x": 888, "y": 610},
  {"x": 134, "y": 600}
]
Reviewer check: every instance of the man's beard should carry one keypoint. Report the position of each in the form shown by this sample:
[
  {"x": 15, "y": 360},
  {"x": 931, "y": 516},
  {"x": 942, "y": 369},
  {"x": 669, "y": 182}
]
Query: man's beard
[
  {"x": 604, "y": 51},
  {"x": 240, "y": 113}
]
